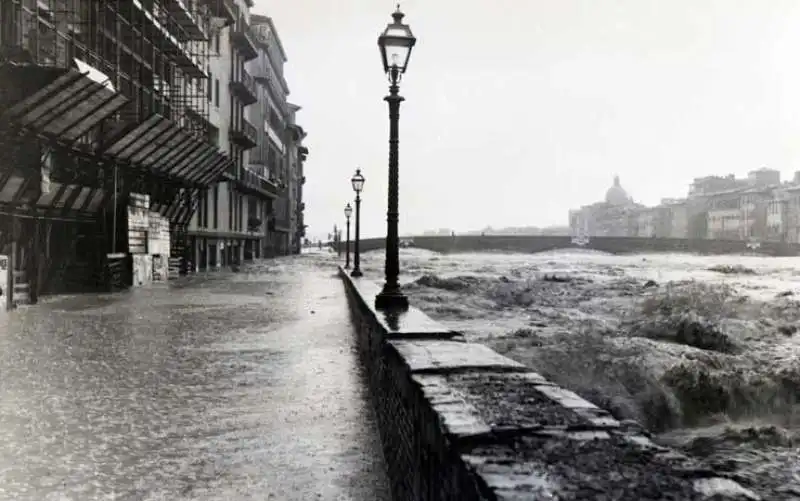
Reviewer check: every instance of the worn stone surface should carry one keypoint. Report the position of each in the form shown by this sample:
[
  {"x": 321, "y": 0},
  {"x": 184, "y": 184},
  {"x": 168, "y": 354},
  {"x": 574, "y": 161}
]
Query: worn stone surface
[
  {"x": 604, "y": 468},
  {"x": 508, "y": 402},
  {"x": 450, "y": 355}
]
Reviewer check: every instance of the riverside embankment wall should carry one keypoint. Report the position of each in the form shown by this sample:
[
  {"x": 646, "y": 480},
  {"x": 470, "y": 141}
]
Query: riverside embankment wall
[{"x": 459, "y": 421}]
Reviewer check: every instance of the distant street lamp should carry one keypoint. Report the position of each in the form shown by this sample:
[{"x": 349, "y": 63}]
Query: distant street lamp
[
  {"x": 348, "y": 211},
  {"x": 358, "y": 184},
  {"x": 395, "y": 44}
]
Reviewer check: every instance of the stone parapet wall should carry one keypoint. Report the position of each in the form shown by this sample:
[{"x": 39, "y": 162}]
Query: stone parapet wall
[{"x": 459, "y": 421}]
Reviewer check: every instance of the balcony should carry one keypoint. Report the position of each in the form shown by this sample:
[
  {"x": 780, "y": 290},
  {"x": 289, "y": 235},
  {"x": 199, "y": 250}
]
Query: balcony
[
  {"x": 191, "y": 22},
  {"x": 223, "y": 9},
  {"x": 177, "y": 50},
  {"x": 245, "y": 89},
  {"x": 254, "y": 179},
  {"x": 245, "y": 135},
  {"x": 261, "y": 77},
  {"x": 243, "y": 41}
]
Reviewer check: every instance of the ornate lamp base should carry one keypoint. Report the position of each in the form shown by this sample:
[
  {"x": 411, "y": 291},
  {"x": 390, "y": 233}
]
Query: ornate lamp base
[{"x": 391, "y": 301}]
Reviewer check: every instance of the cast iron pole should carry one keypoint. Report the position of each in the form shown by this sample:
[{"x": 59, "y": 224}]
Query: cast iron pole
[
  {"x": 356, "y": 253},
  {"x": 347, "y": 247},
  {"x": 391, "y": 297}
]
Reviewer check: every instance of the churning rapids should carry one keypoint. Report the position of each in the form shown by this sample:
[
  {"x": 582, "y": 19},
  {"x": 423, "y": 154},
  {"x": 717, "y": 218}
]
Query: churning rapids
[{"x": 702, "y": 350}]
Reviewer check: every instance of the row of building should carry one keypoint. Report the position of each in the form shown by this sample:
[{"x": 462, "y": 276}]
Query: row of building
[
  {"x": 759, "y": 207},
  {"x": 143, "y": 138}
]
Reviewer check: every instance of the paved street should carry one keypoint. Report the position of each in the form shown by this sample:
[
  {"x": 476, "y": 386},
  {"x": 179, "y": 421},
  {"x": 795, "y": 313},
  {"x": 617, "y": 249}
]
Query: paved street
[{"x": 232, "y": 386}]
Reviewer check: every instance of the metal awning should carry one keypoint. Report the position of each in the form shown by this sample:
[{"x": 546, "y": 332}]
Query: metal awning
[
  {"x": 64, "y": 103},
  {"x": 164, "y": 148},
  {"x": 61, "y": 200}
]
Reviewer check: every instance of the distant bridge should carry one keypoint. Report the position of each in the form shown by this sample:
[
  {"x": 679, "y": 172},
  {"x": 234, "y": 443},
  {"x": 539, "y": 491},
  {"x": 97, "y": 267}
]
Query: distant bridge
[{"x": 612, "y": 245}]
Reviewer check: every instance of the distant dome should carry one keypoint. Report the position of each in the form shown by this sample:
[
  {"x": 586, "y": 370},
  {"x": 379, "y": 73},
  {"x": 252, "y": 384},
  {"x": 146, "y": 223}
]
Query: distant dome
[{"x": 616, "y": 195}]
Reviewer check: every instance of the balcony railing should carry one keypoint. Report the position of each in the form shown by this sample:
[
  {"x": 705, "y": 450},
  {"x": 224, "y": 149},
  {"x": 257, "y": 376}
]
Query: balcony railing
[
  {"x": 254, "y": 178},
  {"x": 243, "y": 41},
  {"x": 191, "y": 22},
  {"x": 261, "y": 77},
  {"x": 245, "y": 89},
  {"x": 245, "y": 135},
  {"x": 183, "y": 56},
  {"x": 224, "y": 9}
]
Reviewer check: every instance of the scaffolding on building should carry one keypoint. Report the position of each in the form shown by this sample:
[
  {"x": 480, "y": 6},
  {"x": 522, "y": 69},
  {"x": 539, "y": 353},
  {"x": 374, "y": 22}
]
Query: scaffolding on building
[
  {"x": 150, "y": 57},
  {"x": 155, "y": 53}
]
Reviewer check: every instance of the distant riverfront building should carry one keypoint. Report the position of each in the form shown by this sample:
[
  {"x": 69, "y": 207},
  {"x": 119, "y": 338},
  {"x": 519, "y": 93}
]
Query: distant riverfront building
[
  {"x": 759, "y": 207},
  {"x": 616, "y": 216}
]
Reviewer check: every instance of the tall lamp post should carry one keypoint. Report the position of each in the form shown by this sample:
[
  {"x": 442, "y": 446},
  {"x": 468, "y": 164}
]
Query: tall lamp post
[
  {"x": 395, "y": 45},
  {"x": 358, "y": 184},
  {"x": 348, "y": 211}
]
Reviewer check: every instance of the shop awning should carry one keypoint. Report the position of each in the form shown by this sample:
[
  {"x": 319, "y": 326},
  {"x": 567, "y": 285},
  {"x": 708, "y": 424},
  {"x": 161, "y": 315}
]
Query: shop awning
[
  {"x": 57, "y": 103},
  {"x": 164, "y": 148},
  {"x": 60, "y": 200}
]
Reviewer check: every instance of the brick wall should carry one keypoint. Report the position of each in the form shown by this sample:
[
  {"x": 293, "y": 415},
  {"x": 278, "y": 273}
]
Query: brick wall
[{"x": 459, "y": 421}]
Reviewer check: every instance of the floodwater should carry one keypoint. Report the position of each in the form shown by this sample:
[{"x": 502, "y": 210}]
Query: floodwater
[
  {"x": 702, "y": 350},
  {"x": 232, "y": 386}
]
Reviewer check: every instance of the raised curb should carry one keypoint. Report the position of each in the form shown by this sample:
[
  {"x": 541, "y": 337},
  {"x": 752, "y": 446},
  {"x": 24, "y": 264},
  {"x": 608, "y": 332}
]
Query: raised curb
[{"x": 459, "y": 421}]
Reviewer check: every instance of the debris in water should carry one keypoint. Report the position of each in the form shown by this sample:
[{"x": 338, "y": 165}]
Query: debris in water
[{"x": 732, "y": 269}]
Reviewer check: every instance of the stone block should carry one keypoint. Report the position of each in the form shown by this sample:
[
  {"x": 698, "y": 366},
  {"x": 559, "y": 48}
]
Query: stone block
[{"x": 445, "y": 356}]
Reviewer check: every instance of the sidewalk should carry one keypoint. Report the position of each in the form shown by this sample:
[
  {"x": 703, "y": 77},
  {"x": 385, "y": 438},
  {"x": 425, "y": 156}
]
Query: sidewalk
[{"x": 232, "y": 386}]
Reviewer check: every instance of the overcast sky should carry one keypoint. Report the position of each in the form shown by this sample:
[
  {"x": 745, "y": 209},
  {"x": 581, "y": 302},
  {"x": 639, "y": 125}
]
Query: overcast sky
[{"x": 518, "y": 110}]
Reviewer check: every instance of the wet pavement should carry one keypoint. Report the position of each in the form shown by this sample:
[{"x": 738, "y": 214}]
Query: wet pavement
[{"x": 230, "y": 386}]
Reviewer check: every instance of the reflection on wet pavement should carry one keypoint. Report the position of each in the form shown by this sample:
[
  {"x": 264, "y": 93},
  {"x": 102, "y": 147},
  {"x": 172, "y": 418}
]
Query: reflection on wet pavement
[{"x": 225, "y": 387}]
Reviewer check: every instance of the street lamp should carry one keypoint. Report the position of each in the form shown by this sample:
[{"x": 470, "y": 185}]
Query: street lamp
[
  {"x": 395, "y": 44},
  {"x": 358, "y": 184},
  {"x": 348, "y": 211}
]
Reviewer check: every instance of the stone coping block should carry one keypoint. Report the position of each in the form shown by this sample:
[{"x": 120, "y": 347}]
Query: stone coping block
[
  {"x": 459, "y": 421},
  {"x": 408, "y": 324},
  {"x": 507, "y": 403},
  {"x": 438, "y": 356}
]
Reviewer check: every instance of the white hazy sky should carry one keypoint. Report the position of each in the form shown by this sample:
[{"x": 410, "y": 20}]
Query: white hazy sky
[{"x": 518, "y": 110}]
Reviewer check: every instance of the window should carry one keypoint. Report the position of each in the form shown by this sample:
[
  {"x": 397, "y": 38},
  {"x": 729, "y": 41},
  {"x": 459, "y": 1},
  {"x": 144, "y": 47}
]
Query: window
[
  {"x": 200, "y": 210},
  {"x": 216, "y": 205},
  {"x": 230, "y": 207},
  {"x": 216, "y": 43},
  {"x": 208, "y": 86},
  {"x": 216, "y": 92},
  {"x": 240, "y": 212}
]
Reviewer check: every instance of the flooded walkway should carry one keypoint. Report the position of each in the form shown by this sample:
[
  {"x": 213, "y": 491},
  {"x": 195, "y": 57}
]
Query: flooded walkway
[{"x": 226, "y": 387}]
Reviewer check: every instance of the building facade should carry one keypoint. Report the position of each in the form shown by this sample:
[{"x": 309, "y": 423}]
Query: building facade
[
  {"x": 105, "y": 126},
  {"x": 127, "y": 141},
  {"x": 246, "y": 216}
]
